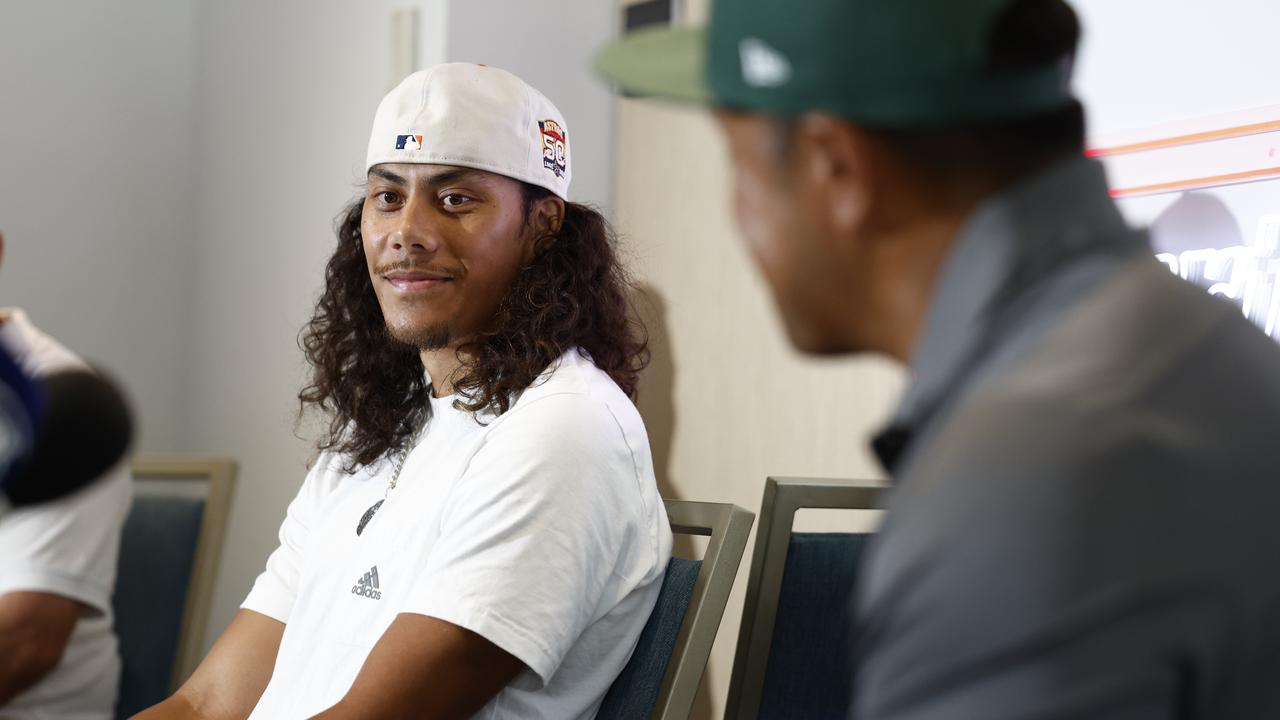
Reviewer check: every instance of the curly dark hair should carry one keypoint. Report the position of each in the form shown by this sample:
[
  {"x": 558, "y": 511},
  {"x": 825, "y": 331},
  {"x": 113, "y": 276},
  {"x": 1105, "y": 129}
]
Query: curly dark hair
[{"x": 572, "y": 295}]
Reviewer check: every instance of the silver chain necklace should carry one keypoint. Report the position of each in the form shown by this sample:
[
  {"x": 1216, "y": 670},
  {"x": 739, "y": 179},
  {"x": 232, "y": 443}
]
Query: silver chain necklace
[{"x": 391, "y": 485}]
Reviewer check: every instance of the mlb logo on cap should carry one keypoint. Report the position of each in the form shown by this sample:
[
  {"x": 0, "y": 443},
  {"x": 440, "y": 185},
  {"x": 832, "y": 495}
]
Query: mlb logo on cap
[{"x": 402, "y": 140}]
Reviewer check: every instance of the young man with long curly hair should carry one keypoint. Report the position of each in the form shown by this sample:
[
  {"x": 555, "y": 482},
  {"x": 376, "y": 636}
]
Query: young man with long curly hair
[{"x": 481, "y": 535}]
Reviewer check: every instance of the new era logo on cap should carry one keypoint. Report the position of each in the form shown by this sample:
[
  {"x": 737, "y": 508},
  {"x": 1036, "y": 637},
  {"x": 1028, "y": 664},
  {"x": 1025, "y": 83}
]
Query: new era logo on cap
[
  {"x": 368, "y": 585},
  {"x": 403, "y": 142},
  {"x": 763, "y": 66}
]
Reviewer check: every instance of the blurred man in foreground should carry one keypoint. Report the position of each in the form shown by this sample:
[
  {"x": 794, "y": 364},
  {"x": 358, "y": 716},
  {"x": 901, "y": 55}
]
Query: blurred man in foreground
[
  {"x": 58, "y": 649},
  {"x": 1083, "y": 523}
]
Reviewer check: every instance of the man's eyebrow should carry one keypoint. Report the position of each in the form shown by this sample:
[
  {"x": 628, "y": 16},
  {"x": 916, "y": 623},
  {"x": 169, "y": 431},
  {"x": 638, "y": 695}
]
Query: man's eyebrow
[
  {"x": 455, "y": 175},
  {"x": 388, "y": 175},
  {"x": 443, "y": 178}
]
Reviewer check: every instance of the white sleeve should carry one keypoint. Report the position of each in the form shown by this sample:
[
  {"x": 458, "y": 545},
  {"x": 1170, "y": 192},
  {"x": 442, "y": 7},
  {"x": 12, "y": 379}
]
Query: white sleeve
[
  {"x": 274, "y": 591},
  {"x": 68, "y": 547},
  {"x": 533, "y": 531}
]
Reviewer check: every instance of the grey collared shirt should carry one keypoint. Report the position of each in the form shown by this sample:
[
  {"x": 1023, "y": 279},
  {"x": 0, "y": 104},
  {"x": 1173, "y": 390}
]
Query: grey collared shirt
[{"x": 1086, "y": 510}]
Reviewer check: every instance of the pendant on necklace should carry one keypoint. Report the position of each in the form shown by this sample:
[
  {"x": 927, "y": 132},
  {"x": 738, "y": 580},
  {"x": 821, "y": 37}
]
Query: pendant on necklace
[{"x": 368, "y": 515}]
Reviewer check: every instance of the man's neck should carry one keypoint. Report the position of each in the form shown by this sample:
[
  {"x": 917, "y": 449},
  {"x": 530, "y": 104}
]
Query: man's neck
[
  {"x": 924, "y": 226},
  {"x": 441, "y": 365},
  {"x": 910, "y": 263}
]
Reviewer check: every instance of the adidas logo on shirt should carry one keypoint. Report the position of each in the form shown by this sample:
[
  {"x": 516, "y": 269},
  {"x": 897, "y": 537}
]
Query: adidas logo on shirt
[{"x": 368, "y": 585}]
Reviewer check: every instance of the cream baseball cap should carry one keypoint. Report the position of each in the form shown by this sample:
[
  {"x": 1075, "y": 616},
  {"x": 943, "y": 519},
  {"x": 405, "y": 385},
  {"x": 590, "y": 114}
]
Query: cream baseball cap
[{"x": 473, "y": 116}]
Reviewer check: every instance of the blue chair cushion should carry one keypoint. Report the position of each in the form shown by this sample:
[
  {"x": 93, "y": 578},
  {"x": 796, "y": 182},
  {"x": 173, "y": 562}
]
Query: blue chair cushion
[
  {"x": 810, "y": 672},
  {"x": 157, "y": 552},
  {"x": 635, "y": 691}
]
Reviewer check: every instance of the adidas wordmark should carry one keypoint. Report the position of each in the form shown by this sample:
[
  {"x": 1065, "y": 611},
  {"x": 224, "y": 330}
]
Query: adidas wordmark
[{"x": 368, "y": 585}]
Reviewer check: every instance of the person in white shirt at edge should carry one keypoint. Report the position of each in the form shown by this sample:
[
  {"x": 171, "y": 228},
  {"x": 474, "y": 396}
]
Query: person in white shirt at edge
[
  {"x": 486, "y": 538},
  {"x": 58, "y": 650}
]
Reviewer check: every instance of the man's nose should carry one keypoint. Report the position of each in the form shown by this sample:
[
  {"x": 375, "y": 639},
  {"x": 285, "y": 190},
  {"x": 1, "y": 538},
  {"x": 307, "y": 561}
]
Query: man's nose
[{"x": 416, "y": 229}]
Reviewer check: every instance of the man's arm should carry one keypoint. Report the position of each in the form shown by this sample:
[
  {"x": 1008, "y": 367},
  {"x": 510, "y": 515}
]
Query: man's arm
[
  {"x": 423, "y": 668},
  {"x": 231, "y": 678},
  {"x": 34, "y": 630}
]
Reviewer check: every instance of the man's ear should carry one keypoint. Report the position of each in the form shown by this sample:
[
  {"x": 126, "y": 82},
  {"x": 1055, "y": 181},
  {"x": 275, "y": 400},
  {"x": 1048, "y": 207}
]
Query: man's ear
[
  {"x": 838, "y": 161},
  {"x": 544, "y": 222}
]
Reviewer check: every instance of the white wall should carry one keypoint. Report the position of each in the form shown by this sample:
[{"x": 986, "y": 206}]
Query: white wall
[
  {"x": 96, "y": 179},
  {"x": 1144, "y": 62},
  {"x": 549, "y": 45},
  {"x": 286, "y": 92}
]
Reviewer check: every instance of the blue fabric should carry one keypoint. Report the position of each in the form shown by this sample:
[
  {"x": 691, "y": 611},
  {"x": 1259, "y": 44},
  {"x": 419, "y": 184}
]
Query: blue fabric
[
  {"x": 635, "y": 692},
  {"x": 810, "y": 672},
  {"x": 157, "y": 552},
  {"x": 21, "y": 407}
]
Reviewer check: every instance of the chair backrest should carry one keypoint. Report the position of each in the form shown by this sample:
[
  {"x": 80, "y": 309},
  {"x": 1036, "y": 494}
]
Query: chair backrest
[
  {"x": 661, "y": 679},
  {"x": 792, "y": 658},
  {"x": 168, "y": 560}
]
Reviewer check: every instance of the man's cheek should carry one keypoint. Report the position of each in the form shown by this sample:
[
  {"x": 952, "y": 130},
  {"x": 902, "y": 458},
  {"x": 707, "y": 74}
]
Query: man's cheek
[
  {"x": 769, "y": 253},
  {"x": 751, "y": 214}
]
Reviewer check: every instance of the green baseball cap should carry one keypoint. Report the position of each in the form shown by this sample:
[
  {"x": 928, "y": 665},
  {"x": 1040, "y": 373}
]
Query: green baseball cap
[{"x": 889, "y": 63}]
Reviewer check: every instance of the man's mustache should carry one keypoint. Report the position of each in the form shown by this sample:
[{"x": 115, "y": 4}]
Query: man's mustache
[{"x": 409, "y": 266}]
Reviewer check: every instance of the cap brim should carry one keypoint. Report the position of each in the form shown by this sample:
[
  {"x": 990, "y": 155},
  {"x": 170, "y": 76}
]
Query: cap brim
[{"x": 663, "y": 63}]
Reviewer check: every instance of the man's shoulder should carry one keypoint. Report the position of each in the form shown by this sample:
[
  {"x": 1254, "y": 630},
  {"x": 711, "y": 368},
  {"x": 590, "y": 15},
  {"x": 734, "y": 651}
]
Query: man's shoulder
[
  {"x": 576, "y": 416},
  {"x": 1147, "y": 352},
  {"x": 572, "y": 392},
  {"x": 1150, "y": 392},
  {"x": 1141, "y": 327}
]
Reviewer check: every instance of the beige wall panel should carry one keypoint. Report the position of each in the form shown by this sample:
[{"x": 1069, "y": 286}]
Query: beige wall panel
[{"x": 726, "y": 401}]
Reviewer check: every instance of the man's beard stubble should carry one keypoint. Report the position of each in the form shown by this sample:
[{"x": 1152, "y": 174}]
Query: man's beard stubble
[
  {"x": 432, "y": 337},
  {"x": 436, "y": 336}
]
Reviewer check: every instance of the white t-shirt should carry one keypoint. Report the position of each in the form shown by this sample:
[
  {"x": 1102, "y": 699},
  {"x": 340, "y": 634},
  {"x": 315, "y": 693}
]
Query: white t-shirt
[
  {"x": 68, "y": 548},
  {"x": 541, "y": 530}
]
